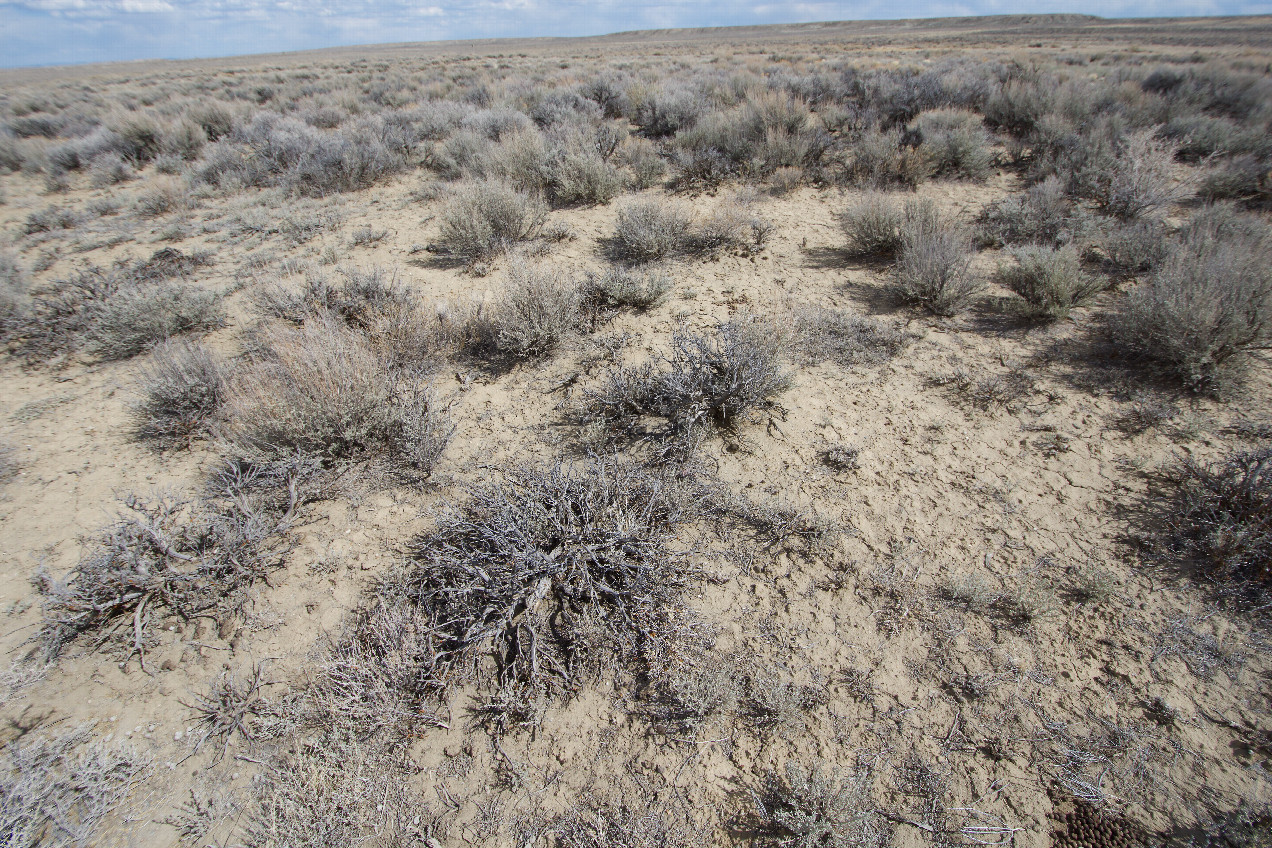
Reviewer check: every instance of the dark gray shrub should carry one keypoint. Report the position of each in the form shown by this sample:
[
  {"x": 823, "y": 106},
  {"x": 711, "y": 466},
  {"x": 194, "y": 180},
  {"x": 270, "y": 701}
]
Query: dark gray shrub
[{"x": 1043, "y": 214}]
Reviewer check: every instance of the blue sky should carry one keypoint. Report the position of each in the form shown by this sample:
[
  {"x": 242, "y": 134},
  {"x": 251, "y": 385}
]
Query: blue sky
[{"x": 43, "y": 32}]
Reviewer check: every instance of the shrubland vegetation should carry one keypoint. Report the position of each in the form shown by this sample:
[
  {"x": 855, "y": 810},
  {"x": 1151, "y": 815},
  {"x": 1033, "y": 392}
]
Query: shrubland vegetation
[{"x": 572, "y": 246}]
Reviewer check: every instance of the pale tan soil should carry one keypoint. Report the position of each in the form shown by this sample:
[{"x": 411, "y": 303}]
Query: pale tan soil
[{"x": 944, "y": 493}]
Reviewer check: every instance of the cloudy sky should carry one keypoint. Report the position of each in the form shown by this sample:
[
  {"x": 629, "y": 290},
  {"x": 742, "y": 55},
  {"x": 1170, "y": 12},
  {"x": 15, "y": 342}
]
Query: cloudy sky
[{"x": 42, "y": 32}]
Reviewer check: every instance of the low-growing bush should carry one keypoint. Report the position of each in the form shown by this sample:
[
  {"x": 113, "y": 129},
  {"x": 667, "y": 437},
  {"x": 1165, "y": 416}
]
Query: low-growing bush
[
  {"x": 1207, "y": 307},
  {"x": 705, "y": 383},
  {"x": 56, "y": 789},
  {"x": 13, "y": 290},
  {"x": 881, "y": 158},
  {"x": 112, "y": 314},
  {"x": 1239, "y": 178},
  {"x": 616, "y": 288},
  {"x": 816, "y": 804},
  {"x": 180, "y": 389},
  {"x": 551, "y": 575},
  {"x": 648, "y": 230},
  {"x": 933, "y": 267},
  {"x": 873, "y": 225},
  {"x": 1221, "y": 516},
  {"x": 1132, "y": 247},
  {"x": 1043, "y": 214},
  {"x": 535, "y": 312},
  {"x": 955, "y": 143},
  {"x": 485, "y": 218},
  {"x": 1130, "y": 176},
  {"x": 321, "y": 390},
  {"x": 846, "y": 339},
  {"x": 189, "y": 558},
  {"x": 1049, "y": 279}
]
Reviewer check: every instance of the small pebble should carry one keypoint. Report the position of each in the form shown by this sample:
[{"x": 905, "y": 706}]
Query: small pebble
[{"x": 177, "y": 736}]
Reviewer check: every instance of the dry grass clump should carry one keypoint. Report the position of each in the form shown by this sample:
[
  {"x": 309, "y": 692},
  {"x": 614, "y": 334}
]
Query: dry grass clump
[
  {"x": 55, "y": 790},
  {"x": 180, "y": 390},
  {"x": 188, "y": 557},
  {"x": 111, "y": 314},
  {"x": 321, "y": 390},
  {"x": 484, "y": 219},
  {"x": 1207, "y": 307},
  {"x": 933, "y": 268},
  {"x": 843, "y": 338},
  {"x": 1221, "y": 516},
  {"x": 706, "y": 383},
  {"x": 1049, "y": 279},
  {"x": 531, "y": 584}
]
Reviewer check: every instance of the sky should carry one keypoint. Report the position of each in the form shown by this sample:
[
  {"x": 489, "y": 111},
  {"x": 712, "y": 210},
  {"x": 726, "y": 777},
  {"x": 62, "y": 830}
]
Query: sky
[{"x": 54, "y": 32}]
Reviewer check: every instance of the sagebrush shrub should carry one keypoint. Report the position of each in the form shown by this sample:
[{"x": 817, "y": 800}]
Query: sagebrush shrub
[
  {"x": 705, "y": 383},
  {"x": 955, "y": 143},
  {"x": 648, "y": 230},
  {"x": 1049, "y": 279},
  {"x": 321, "y": 390},
  {"x": 933, "y": 267},
  {"x": 1208, "y": 305},
  {"x": 1132, "y": 247},
  {"x": 179, "y": 390},
  {"x": 484, "y": 219},
  {"x": 1043, "y": 214},
  {"x": 535, "y": 312},
  {"x": 1221, "y": 515},
  {"x": 846, "y": 339},
  {"x": 873, "y": 225},
  {"x": 625, "y": 287}
]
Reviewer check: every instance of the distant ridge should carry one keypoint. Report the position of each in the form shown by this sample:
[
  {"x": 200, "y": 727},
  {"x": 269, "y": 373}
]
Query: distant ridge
[{"x": 985, "y": 31}]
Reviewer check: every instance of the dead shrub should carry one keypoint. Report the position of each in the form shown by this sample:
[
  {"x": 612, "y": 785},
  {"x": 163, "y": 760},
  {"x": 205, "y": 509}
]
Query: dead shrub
[
  {"x": 55, "y": 790},
  {"x": 180, "y": 390},
  {"x": 189, "y": 558}
]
